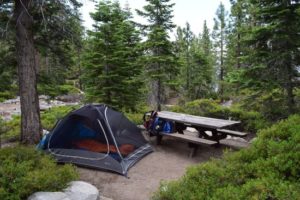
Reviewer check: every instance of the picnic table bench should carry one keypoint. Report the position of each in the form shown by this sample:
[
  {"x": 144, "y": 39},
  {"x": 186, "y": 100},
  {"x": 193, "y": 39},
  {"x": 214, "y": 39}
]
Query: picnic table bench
[{"x": 210, "y": 130}]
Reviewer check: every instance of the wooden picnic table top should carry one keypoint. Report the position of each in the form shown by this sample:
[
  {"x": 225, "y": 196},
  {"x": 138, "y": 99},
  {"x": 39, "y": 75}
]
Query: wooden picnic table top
[{"x": 205, "y": 122}]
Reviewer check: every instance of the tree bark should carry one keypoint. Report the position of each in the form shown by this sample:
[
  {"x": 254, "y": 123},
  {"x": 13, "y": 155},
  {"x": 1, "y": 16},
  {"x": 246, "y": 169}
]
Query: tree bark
[
  {"x": 221, "y": 89},
  {"x": 27, "y": 66}
]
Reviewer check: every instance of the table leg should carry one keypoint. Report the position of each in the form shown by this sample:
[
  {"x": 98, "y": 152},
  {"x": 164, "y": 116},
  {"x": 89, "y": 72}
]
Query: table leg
[
  {"x": 158, "y": 139},
  {"x": 180, "y": 127},
  {"x": 194, "y": 148},
  {"x": 215, "y": 135}
]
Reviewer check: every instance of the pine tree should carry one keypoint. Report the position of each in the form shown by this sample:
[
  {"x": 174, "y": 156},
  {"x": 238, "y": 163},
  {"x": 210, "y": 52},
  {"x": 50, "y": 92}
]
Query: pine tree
[
  {"x": 206, "y": 46},
  {"x": 240, "y": 23},
  {"x": 183, "y": 43},
  {"x": 205, "y": 41},
  {"x": 195, "y": 62},
  {"x": 111, "y": 67},
  {"x": 160, "y": 61},
  {"x": 219, "y": 36},
  {"x": 201, "y": 73},
  {"x": 275, "y": 48}
]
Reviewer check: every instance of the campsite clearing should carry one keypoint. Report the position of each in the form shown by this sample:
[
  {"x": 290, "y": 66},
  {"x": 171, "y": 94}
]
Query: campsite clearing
[{"x": 167, "y": 162}]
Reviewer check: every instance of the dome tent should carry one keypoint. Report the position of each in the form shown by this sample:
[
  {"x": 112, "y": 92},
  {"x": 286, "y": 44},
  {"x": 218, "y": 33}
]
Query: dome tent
[{"x": 99, "y": 137}]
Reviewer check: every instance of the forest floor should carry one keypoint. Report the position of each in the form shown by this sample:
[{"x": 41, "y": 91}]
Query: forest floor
[{"x": 168, "y": 162}]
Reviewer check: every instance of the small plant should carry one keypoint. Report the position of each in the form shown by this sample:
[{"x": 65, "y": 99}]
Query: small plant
[
  {"x": 24, "y": 171},
  {"x": 11, "y": 131},
  {"x": 2, "y": 130}
]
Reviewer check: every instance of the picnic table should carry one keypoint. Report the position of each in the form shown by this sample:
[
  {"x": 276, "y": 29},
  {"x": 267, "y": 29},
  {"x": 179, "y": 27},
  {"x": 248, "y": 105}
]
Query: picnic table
[{"x": 210, "y": 130}]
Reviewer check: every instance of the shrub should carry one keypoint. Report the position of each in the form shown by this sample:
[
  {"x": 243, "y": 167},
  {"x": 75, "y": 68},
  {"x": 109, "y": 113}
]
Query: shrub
[
  {"x": 269, "y": 169},
  {"x": 6, "y": 95},
  {"x": 137, "y": 116},
  {"x": 68, "y": 89},
  {"x": 24, "y": 171},
  {"x": 12, "y": 129},
  {"x": 272, "y": 105}
]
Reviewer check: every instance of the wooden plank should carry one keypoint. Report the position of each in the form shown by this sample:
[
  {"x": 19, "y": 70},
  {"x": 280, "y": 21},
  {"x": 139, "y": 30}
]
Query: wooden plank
[
  {"x": 190, "y": 138},
  {"x": 196, "y": 120},
  {"x": 234, "y": 143},
  {"x": 233, "y": 133}
]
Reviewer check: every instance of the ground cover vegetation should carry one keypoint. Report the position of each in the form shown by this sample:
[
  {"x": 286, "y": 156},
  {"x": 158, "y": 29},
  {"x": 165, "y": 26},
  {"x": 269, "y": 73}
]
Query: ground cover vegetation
[
  {"x": 268, "y": 169},
  {"x": 250, "y": 58},
  {"x": 23, "y": 171}
]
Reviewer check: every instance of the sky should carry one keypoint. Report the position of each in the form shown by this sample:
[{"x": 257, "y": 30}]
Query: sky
[{"x": 192, "y": 11}]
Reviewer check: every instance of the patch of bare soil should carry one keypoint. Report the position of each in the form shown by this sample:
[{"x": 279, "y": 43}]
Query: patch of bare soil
[{"x": 168, "y": 162}]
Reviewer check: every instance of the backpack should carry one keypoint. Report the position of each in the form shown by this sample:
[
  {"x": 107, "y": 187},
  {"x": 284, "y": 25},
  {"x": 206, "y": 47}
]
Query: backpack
[{"x": 154, "y": 124}]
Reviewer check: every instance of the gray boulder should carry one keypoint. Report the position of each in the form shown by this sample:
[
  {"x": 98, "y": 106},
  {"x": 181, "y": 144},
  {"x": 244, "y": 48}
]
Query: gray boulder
[{"x": 77, "y": 190}]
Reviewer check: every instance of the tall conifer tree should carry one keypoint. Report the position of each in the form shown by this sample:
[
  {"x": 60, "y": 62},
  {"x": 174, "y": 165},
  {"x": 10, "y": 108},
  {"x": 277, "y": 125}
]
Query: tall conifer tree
[
  {"x": 219, "y": 36},
  {"x": 111, "y": 69},
  {"x": 160, "y": 62},
  {"x": 196, "y": 63},
  {"x": 205, "y": 40},
  {"x": 275, "y": 45}
]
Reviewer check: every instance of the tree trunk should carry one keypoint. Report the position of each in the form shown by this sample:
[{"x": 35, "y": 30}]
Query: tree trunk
[
  {"x": 30, "y": 115},
  {"x": 159, "y": 91},
  {"x": 221, "y": 89}
]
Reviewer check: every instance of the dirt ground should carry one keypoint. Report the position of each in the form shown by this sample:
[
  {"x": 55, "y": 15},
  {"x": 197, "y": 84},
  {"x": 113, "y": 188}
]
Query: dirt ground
[{"x": 168, "y": 162}]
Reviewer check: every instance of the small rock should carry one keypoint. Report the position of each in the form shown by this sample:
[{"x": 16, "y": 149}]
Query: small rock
[
  {"x": 49, "y": 196},
  {"x": 79, "y": 190}
]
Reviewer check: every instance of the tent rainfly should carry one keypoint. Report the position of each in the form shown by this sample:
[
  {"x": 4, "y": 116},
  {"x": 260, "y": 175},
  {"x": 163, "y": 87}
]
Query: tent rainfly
[{"x": 97, "y": 136}]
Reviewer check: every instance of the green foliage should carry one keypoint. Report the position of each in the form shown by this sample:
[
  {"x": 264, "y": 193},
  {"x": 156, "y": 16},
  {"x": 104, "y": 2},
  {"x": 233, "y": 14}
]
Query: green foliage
[
  {"x": 2, "y": 130},
  {"x": 54, "y": 90},
  {"x": 269, "y": 169},
  {"x": 220, "y": 41},
  {"x": 270, "y": 104},
  {"x": 159, "y": 61},
  {"x": 48, "y": 119},
  {"x": 12, "y": 129},
  {"x": 24, "y": 171},
  {"x": 196, "y": 64},
  {"x": 6, "y": 95},
  {"x": 137, "y": 116},
  {"x": 274, "y": 48},
  {"x": 251, "y": 121},
  {"x": 112, "y": 72},
  {"x": 8, "y": 87},
  {"x": 57, "y": 36}
]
